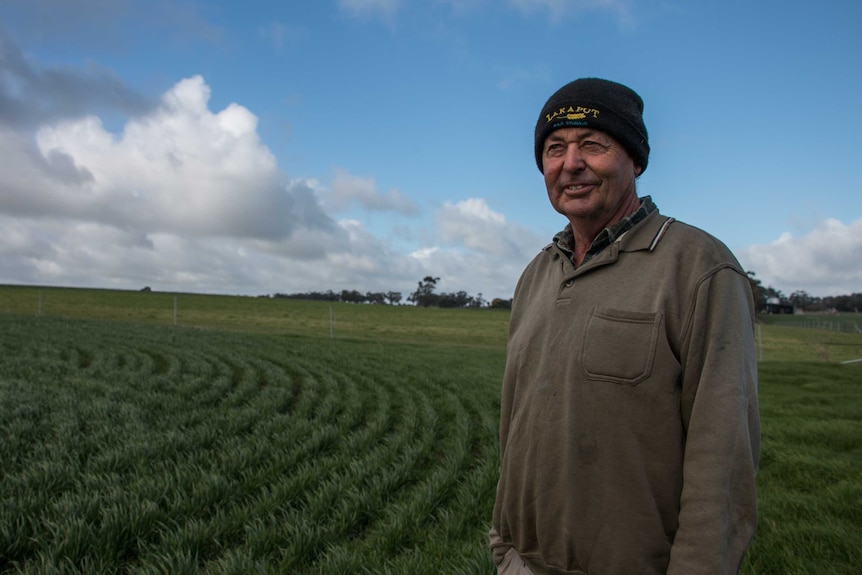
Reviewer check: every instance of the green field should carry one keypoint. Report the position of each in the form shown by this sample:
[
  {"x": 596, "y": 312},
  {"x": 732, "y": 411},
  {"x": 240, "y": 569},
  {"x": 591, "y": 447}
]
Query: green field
[
  {"x": 254, "y": 435},
  {"x": 373, "y": 323}
]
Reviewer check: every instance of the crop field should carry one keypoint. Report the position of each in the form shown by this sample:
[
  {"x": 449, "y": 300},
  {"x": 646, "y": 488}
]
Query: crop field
[
  {"x": 141, "y": 449},
  {"x": 249, "y": 435}
]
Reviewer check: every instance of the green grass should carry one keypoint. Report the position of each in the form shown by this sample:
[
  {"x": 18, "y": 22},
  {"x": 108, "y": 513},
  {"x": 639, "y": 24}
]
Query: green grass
[
  {"x": 376, "y": 323},
  {"x": 245, "y": 439},
  {"x": 810, "y": 478},
  {"x": 782, "y": 343},
  {"x": 848, "y": 322},
  {"x": 131, "y": 448}
]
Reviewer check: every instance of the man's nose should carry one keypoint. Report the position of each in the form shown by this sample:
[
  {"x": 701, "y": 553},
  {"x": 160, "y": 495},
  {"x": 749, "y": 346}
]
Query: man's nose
[{"x": 574, "y": 159}]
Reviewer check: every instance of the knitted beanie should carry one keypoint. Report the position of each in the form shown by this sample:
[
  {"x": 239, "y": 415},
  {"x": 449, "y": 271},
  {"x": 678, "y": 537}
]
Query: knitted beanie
[{"x": 599, "y": 104}]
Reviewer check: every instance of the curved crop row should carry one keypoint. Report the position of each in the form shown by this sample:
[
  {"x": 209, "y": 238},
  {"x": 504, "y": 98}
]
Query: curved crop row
[{"x": 132, "y": 449}]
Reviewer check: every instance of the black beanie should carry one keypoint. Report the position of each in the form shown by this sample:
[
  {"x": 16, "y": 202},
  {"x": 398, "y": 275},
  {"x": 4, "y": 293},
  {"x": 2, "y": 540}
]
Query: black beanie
[{"x": 599, "y": 104}]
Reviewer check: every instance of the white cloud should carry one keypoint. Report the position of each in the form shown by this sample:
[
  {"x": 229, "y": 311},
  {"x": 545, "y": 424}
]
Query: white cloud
[
  {"x": 824, "y": 262},
  {"x": 478, "y": 245},
  {"x": 473, "y": 224},
  {"x": 181, "y": 168},
  {"x": 188, "y": 199},
  {"x": 347, "y": 189},
  {"x": 424, "y": 253},
  {"x": 75, "y": 253},
  {"x": 182, "y": 198}
]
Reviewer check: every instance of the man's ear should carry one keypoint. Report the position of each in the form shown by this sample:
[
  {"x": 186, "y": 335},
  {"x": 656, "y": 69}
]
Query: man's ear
[{"x": 638, "y": 170}]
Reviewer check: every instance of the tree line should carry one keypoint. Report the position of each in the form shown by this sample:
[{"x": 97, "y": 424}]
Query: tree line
[
  {"x": 346, "y": 296},
  {"x": 802, "y": 300},
  {"x": 425, "y": 295}
]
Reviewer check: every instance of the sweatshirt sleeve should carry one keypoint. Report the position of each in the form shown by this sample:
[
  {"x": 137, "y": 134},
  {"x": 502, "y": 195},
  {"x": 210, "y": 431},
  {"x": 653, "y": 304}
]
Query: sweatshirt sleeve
[{"x": 718, "y": 504}]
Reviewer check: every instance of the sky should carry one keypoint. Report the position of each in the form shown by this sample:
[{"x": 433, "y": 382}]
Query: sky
[{"x": 262, "y": 147}]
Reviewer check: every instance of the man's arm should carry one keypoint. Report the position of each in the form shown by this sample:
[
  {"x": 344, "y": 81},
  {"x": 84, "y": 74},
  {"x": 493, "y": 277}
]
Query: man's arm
[{"x": 718, "y": 506}]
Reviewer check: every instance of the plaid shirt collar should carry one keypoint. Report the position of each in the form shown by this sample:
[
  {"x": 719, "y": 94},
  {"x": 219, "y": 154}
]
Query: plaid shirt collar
[{"x": 565, "y": 239}]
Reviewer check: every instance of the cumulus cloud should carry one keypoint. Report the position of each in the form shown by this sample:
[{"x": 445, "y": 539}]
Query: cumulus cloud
[
  {"x": 181, "y": 169},
  {"x": 473, "y": 224},
  {"x": 347, "y": 190},
  {"x": 823, "y": 262},
  {"x": 478, "y": 243},
  {"x": 186, "y": 198},
  {"x": 182, "y": 197}
]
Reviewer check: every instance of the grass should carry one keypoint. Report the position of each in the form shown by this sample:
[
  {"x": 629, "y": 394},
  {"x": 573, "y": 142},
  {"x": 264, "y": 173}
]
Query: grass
[
  {"x": 783, "y": 343},
  {"x": 847, "y": 322},
  {"x": 374, "y": 323},
  {"x": 810, "y": 478},
  {"x": 245, "y": 439},
  {"x": 134, "y": 448}
]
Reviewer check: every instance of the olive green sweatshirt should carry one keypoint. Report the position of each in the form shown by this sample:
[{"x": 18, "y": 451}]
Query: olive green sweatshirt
[{"x": 630, "y": 433}]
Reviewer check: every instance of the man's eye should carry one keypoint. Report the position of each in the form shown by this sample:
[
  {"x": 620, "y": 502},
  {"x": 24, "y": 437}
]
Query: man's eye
[
  {"x": 554, "y": 149},
  {"x": 592, "y": 145}
]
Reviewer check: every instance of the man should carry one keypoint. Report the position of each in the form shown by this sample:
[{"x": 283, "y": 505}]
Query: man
[{"x": 629, "y": 432}]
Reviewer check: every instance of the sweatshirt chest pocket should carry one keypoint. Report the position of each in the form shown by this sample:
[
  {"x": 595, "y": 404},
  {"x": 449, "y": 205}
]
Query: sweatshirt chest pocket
[{"x": 619, "y": 346}]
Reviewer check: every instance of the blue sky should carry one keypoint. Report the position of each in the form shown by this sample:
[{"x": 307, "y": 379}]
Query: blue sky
[{"x": 263, "y": 147}]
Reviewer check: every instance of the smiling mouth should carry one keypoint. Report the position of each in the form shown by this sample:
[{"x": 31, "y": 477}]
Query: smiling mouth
[{"x": 576, "y": 188}]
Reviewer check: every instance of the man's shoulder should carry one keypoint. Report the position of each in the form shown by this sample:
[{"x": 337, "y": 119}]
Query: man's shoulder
[
  {"x": 549, "y": 256},
  {"x": 682, "y": 231},
  {"x": 692, "y": 243}
]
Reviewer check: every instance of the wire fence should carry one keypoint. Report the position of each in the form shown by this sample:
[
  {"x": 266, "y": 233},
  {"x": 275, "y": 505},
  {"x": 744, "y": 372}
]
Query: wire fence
[{"x": 839, "y": 325}]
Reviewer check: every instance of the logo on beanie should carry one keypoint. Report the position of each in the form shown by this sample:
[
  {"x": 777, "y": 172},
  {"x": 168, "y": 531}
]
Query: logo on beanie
[{"x": 572, "y": 113}]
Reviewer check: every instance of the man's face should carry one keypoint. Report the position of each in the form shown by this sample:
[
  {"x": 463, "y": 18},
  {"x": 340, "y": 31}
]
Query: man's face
[{"x": 589, "y": 176}]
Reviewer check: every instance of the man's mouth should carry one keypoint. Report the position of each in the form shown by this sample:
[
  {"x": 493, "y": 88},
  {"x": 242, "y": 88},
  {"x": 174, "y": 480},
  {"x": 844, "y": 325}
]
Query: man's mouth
[{"x": 577, "y": 188}]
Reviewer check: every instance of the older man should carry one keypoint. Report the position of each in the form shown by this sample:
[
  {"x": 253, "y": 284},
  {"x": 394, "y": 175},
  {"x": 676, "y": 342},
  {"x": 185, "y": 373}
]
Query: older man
[{"x": 629, "y": 432}]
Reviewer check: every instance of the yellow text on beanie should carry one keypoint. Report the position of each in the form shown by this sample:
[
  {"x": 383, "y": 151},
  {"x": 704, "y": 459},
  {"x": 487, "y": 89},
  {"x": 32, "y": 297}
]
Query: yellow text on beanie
[{"x": 601, "y": 105}]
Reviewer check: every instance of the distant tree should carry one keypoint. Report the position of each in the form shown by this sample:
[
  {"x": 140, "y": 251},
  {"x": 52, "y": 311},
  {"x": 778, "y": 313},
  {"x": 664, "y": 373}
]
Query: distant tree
[
  {"x": 352, "y": 296},
  {"x": 801, "y": 300},
  {"x": 763, "y": 294},
  {"x": 771, "y": 293},
  {"x": 477, "y": 301},
  {"x": 758, "y": 292},
  {"x": 850, "y": 303},
  {"x": 393, "y": 297},
  {"x": 313, "y": 296},
  {"x": 498, "y": 303},
  {"x": 424, "y": 295},
  {"x": 450, "y": 300},
  {"x": 375, "y": 297}
]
